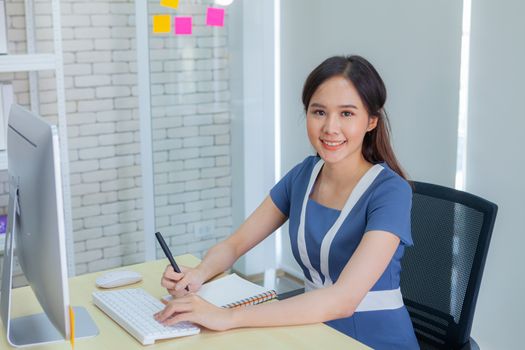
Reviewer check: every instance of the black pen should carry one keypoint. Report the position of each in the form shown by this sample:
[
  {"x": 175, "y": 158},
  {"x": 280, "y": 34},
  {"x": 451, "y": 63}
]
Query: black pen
[{"x": 168, "y": 254}]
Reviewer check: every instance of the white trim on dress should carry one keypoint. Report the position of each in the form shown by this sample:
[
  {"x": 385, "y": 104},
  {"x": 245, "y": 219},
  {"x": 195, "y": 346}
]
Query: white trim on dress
[{"x": 373, "y": 300}]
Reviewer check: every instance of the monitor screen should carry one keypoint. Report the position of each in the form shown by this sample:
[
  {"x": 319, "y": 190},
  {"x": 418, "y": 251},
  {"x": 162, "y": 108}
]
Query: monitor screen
[{"x": 39, "y": 232}]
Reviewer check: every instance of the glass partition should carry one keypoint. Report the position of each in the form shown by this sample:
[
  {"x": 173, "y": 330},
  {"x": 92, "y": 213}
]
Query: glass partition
[{"x": 191, "y": 113}]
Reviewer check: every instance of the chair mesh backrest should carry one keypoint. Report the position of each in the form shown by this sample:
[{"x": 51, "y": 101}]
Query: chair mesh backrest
[{"x": 442, "y": 272}]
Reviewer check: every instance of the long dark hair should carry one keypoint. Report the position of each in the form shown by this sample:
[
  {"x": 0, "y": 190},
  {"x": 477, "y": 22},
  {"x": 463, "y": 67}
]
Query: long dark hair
[{"x": 372, "y": 91}]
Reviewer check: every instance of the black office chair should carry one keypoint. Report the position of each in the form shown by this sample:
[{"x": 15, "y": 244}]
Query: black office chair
[{"x": 441, "y": 273}]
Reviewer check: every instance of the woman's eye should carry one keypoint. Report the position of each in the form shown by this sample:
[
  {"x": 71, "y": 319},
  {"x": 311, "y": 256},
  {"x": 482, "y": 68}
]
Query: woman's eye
[
  {"x": 346, "y": 114},
  {"x": 319, "y": 112}
]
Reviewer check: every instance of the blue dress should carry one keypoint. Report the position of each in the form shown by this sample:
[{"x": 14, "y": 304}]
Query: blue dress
[{"x": 382, "y": 204}]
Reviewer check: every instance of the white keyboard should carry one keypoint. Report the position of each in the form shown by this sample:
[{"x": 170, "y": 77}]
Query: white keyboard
[{"x": 133, "y": 310}]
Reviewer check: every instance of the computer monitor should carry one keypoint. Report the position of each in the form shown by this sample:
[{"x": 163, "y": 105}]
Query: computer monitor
[{"x": 36, "y": 231}]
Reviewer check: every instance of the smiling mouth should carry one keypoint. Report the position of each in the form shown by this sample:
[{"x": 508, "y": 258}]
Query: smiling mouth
[{"x": 333, "y": 143}]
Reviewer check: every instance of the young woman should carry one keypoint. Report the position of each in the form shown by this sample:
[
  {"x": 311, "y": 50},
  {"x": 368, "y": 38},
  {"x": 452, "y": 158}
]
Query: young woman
[{"x": 349, "y": 211}]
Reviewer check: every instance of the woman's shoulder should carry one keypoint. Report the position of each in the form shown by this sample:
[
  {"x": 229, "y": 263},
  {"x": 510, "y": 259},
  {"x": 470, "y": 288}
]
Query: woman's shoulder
[
  {"x": 390, "y": 182},
  {"x": 292, "y": 184},
  {"x": 305, "y": 167}
]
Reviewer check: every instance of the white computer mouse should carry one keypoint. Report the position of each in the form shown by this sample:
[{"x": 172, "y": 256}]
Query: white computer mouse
[{"x": 118, "y": 278}]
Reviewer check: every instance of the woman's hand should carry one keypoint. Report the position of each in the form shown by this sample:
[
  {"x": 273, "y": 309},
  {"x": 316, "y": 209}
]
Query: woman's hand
[
  {"x": 176, "y": 283},
  {"x": 197, "y": 310}
]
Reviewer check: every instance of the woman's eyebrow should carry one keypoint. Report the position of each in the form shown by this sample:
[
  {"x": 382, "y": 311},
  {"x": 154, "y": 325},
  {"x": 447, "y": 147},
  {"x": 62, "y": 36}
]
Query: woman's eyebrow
[
  {"x": 315, "y": 104},
  {"x": 348, "y": 106}
]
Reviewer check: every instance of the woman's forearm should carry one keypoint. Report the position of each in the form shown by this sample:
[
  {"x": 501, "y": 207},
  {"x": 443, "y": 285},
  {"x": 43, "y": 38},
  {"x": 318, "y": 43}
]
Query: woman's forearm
[
  {"x": 316, "y": 306},
  {"x": 217, "y": 260},
  {"x": 261, "y": 223},
  {"x": 339, "y": 300}
]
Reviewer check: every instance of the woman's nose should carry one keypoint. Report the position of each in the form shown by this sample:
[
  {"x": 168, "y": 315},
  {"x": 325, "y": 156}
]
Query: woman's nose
[{"x": 331, "y": 125}]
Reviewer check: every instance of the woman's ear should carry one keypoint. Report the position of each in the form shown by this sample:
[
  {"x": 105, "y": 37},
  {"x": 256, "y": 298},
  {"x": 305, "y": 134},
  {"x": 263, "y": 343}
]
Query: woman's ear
[{"x": 372, "y": 122}]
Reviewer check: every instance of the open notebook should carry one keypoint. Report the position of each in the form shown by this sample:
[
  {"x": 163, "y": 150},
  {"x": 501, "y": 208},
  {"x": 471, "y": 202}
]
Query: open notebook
[{"x": 233, "y": 291}]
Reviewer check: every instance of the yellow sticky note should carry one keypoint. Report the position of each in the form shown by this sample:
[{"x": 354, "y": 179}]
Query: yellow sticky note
[
  {"x": 170, "y": 3},
  {"x": 72, "y": 327},
  {"x": 161, "y": 24}
]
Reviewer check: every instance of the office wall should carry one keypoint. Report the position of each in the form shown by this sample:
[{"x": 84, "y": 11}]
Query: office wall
[
  {"x": 495, "y": 164},
  {"x": 414, "y": 44}
]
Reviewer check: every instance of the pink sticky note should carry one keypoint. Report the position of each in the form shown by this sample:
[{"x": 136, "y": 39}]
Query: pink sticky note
[
  {"x": 215, "y": 17},
  {"x": 183, "y": 26}
]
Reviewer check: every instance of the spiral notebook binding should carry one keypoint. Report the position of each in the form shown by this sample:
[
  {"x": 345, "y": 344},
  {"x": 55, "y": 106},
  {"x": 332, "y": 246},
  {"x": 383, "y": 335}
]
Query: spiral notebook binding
[{"x": 256, "y": 299}]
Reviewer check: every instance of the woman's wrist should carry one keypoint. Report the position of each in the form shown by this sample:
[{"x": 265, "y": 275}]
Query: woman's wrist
[
  {"x": 235, "y": 317},
  {"x": 204, "y": 272}
]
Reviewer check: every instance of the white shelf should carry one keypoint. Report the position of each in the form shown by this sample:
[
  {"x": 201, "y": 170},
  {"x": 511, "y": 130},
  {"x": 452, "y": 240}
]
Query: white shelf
[{"x": 27, "y": 63}]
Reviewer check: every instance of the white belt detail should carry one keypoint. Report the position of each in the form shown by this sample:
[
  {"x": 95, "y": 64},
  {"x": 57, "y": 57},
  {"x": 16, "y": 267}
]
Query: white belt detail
[{"x": 374, "y": 300}]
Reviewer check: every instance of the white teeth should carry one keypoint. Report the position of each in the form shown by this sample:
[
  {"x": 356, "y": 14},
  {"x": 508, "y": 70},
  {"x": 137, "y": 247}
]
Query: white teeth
[{"x": 333, "y": 144}]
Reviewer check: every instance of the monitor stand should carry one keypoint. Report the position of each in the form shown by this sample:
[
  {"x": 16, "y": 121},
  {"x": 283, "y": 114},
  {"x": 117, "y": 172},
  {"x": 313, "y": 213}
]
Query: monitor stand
[{"x": 33, "y": 329}]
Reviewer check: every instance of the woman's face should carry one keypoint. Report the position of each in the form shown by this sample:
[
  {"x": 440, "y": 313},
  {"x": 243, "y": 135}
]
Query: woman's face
[{"x": 337, "y": 120}]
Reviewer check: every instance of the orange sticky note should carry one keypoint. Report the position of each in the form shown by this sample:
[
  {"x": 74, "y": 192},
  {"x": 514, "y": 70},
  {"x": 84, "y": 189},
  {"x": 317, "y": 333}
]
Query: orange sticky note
[
  {"x": 161, "y": 24},
  {"x": 72, "y": 327},
  {"x": 170, "y": 3}
]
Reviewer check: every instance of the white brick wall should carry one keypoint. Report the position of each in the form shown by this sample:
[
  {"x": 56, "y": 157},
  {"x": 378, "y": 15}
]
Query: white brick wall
[{"x": 190, "y": 118}]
